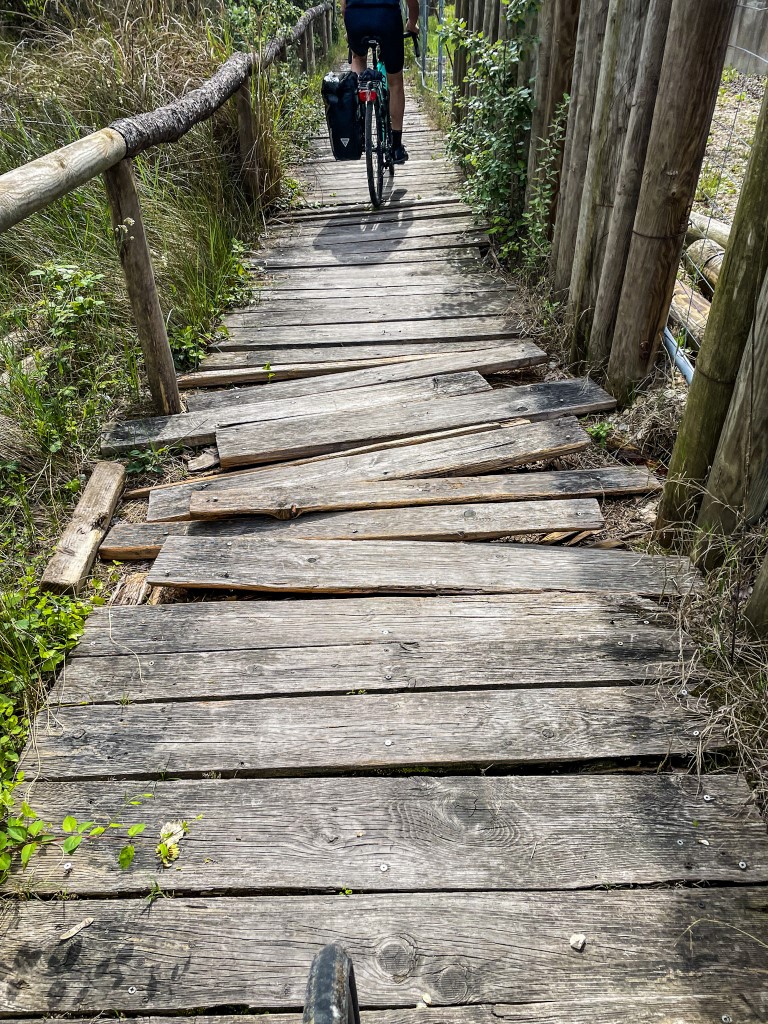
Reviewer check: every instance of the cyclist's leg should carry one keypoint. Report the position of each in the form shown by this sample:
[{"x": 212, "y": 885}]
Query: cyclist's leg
[
  {"x": 393, "y": 55},
  {"x": 396, "y": 99},
  {"x": 357, "y": 31}
]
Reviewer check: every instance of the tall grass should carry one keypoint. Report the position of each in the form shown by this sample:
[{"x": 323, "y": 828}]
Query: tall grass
[{"x": 68, "y": 349}]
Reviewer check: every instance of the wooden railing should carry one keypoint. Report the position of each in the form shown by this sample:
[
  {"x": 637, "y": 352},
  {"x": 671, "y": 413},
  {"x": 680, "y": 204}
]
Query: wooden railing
[{"x": 27, "y": 189}]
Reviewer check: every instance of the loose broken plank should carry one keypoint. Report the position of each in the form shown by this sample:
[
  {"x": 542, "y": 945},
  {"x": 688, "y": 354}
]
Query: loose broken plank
[
  {"x": 77, "y": 548},
  {"x": 475, "y": 452},
  {"x": 288, "y": 500},
  {"x": 259, "y": 365},
  {"x": 128, "y": 541},
  {"x": 312, "y": 434},
  {"x": 256, "y": 835},
  {"x": 279, "y": 735},
  {"x": 240, "y": 352},
  {"x": 252, "y": 404},
  {"x": 192, "y": 953},
  {"x": 511, "y": 356},
  {"x": 358, "y": 334},
  {"x": 367, "y": 567}
]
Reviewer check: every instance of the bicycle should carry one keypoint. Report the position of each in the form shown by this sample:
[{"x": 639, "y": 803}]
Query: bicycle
[
  {"x": 331, "y": 996},
  {"x": 373, "y": 93}
]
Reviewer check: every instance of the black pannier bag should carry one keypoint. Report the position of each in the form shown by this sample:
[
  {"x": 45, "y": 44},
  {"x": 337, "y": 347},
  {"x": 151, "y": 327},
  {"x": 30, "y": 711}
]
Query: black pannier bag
[{"x": 343, "y": 114}]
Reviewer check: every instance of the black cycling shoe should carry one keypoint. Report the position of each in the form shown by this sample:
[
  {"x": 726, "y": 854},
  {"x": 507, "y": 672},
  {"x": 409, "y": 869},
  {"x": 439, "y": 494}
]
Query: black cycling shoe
[{"x": 399, "y": 155}]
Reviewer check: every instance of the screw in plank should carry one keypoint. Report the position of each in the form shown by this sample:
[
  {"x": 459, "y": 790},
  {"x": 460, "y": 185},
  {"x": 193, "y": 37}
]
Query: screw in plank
[
  {"x": 225, "y": 575},
  {"x": 695, "y": 732},
  {"x": 708, "y": 797},
  {"x": 680, "y": 842},
  {"x": 384, "y": 867},
  {"x": 167, "y": 572},
  {"x": 683, "y": 692},
  {"x": 743, "y": 865},
  {"x": 726, "y": 1018},
  {"x": 388, "y": 676},
  {"x": 67, "y": 867},
  {"x": 132, "y": 990},
  {"x": 387, "y": 743}
]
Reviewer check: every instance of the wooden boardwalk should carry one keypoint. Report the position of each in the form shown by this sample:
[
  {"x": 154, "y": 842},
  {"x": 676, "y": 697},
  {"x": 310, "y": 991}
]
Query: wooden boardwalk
[{"x": 454, "y": 756}]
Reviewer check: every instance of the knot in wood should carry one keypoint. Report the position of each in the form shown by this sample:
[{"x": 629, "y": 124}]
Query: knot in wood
[{"x": 397, "y": 957}]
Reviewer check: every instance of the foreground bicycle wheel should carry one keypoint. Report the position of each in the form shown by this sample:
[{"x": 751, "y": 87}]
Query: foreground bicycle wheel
[
  {"x": 374, "y": 151},
  {"x": 331, "y": 996}
]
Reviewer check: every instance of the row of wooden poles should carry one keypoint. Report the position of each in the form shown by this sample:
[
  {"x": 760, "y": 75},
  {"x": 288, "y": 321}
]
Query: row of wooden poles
[
  {"x": 642, "y": 78},
  {"x": 109, "y": 152}
]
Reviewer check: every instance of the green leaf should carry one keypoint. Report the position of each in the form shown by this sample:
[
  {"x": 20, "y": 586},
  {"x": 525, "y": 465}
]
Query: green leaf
[
  {"x": 26, "y": 852},
  {"x": 69, "y": 824},
  {"x": 36, "y": 827},
  {"x": 135, "y": 830},
  {"x": 98, "y": 831},
  {"x": 126, "y": 856},
  {"x": 71, "y": 844},
  {"x": 27, "y": 811},
  {"x": 5, "y": 861},
  {"x": 17, "y": 833},
  {"x": 84, "y": 826}
]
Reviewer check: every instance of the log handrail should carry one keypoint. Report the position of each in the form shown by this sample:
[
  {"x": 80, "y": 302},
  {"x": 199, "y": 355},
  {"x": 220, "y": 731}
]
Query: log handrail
[
  {"x": 109, "y": 151},
  {"x": 32, "y": 186}
]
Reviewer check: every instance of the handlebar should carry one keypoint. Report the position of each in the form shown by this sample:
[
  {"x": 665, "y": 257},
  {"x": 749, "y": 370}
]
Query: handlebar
[{"x": 414, "y": 36}]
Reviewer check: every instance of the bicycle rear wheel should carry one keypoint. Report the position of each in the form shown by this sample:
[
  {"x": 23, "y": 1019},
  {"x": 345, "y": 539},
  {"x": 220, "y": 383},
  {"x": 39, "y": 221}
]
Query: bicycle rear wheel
[
  {"x": 331, "y": 996},
  {"x": 374, "y": 151}
]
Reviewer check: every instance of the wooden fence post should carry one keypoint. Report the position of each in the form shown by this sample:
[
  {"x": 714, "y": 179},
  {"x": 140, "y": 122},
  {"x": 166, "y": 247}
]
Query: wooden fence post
[
  {"x": 311, "y": 48},
  {"x": 733, "y": 306},
  {"x": 540, "y": 90},
  {"x": 586, "y": 69},
  {"x": 618, "y": 72},
  {"x": 325, "y": 41},
  {"x": 628, "y": 185},
  {"x": 756, "y": 610},
  {"x": 304, "y": 53},
  {"x": 136, "y": 261},
  {"x": 738, "y": 480},
  {"x": 690, "y": 77},
  {"x": 247, "y": 136}
]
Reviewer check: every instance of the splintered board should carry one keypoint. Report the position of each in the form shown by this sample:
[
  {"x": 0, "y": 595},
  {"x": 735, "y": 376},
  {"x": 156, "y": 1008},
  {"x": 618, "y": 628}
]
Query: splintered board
[
  {"x": 256, "y": 404},
  {"x": 350, "y": 567},
  {"x": 511, "y": 356},
  {"x": 296, "y": 735},
  {"x": 189, "y": 953},
  {"x": 270, "y": 835},
  {"x": 473, "y": 452},
  {"x": 285, "y": 501},
  {"x": 312, "y": 435},
  {"x": 127, "y": 541}
]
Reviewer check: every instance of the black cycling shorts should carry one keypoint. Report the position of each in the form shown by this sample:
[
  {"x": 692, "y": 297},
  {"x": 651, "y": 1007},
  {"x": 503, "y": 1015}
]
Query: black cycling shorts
[{"x": 382, "y": 22}]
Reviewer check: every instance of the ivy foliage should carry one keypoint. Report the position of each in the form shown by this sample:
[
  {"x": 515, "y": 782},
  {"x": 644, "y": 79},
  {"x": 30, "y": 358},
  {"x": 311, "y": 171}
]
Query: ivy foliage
[{"x": 490, "y": 136}]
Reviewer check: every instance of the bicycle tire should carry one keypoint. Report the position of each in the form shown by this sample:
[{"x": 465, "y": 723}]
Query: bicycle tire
[
  {"x": 374, "y": 154},
  {"x": 331, "y": 996}
]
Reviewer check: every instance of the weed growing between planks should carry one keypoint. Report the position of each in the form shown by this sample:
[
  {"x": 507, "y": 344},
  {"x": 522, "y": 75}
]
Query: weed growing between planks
[{"x": 68, "y": 349}]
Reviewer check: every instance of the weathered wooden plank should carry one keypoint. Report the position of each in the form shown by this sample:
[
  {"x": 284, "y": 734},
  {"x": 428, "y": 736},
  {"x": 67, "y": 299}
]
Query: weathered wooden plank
[
  {"x": 289, "y": 500},
  {"x": 255, "y": 404},
  {"x": 467, "y": 522},
  {"x": 310, "y": 308},
  {"x": 453, "y": 947},
  {"x": 273, "y": 293},
  {"x": 511, "y": 356},
  {"x": 242, "y": 349},
  {"x": 473, "y": 453},
  {"x": 261, "y": 364},
  {"x": 77, "y": 548},
  {"x": 627, "y": 652},
  {"x": 277, "y": 736},
  {"x": 648, "y": 1008},
  {"x": 359, "y": 334},
  {"x": 250, "y": 625},
  {"x": 456, "y": 833},
  {"x": 333, "y": 231},
  {"x": 349, "y": 567},
  {"x": 313, "y": 434},
  {"x": 461, "y": 251}
]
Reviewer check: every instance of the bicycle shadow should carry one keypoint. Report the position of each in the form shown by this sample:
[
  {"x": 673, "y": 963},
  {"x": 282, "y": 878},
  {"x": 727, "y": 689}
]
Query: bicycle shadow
[{"x": 340, "y": 238}]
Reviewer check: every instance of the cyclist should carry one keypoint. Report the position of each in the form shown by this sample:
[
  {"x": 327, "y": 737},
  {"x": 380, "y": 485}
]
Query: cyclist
[{"x": 383, "y": 20}]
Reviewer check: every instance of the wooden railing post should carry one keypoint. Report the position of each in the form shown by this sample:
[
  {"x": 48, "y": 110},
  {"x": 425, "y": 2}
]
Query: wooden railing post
[
  {"x": 142, "y": 290},
  {"x": 247, "y": 136},
  {"x": 325, "y": 39},
  {"x": 311, "y": 48},
  {"x": 304, "y": 53}
]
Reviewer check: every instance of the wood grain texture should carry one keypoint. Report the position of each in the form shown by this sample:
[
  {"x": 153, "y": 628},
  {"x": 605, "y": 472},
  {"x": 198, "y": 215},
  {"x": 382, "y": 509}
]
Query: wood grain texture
[
  {"x": 32, "y": 186},
  {"x": 486, "y": 360},
  {"x": 411, "y": 567},
  {"x": 77, "y": 548},
  {"x": 260, "y": 624},
  {"x": 453, "y": 522},
  {"x": 504, "y": 947},
  {"x": 376, "y": 257},
  {"x": 241, "y": 352},
  {"x": 259, "y": 366},
  {"x": 457, "y": 833},
  {"x": 312, "y": 435},
  {"x": 273, "y": 312},
  {"x": 624, "y": 653},
  {"x": 645, "y": 1009},
  {"x": 286, "y": 501},
  {"x": 359, "y": 334},
  {"x": 476, "y": 452},
  {"x": 278, "y": 736},
  {"x": 256, "y": 404}
]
